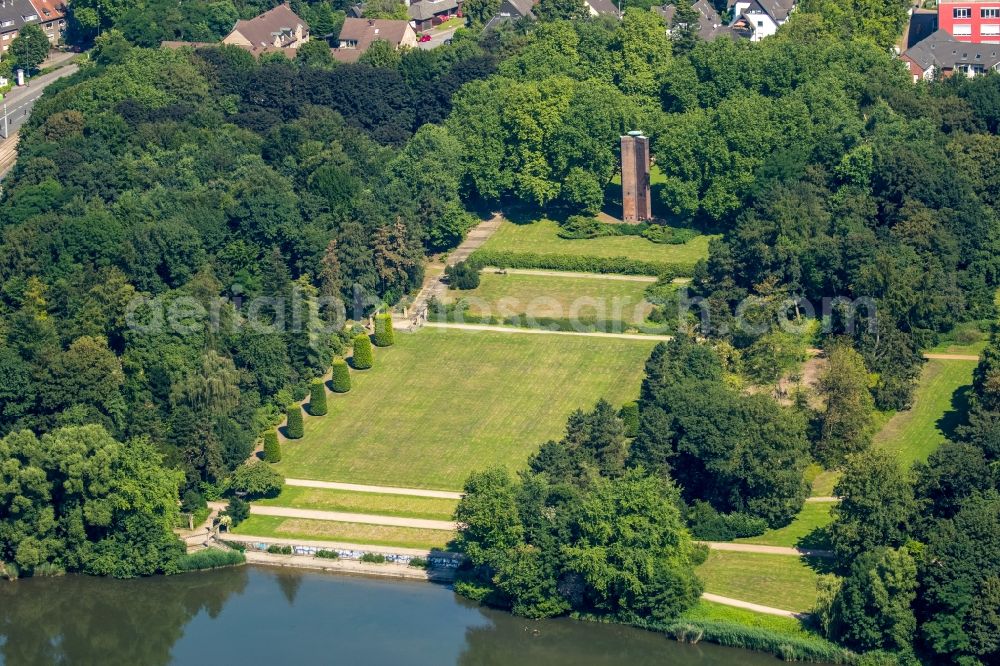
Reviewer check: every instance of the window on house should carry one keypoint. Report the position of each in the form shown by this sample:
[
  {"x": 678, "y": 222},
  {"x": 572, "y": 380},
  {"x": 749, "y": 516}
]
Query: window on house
[
  {"x": 990, "y": 12},
  {"x": 760, "y": 24},
  {"x": 7, "y": 23},
  {"x": 989, "y": 29},
  {"x": 961, "y": 30},
  {"x": 961, "y": 12}
]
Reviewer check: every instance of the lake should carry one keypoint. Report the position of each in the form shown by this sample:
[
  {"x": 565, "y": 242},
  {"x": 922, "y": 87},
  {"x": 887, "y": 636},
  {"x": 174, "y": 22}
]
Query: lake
[{"x": 267, "y": 616}]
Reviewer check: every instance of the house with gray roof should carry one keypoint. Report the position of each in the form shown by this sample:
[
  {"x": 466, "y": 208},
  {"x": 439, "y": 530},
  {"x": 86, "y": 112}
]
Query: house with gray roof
[
  {"x": 709, "y": 22},
  {"x": 425, "y": 14},
  {"x": 941, "y": 55},
  {"x": 511, "y": 10}
]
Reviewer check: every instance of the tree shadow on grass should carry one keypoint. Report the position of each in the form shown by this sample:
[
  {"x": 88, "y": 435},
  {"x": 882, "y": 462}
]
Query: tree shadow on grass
[
  {"x": 821, "y": 565},
  {"x": 955, "y": 417},
  {"x": 818, "y": 539}
]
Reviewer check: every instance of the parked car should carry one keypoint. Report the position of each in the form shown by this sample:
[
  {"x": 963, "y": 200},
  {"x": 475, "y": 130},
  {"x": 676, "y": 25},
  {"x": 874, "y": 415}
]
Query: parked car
[{"x": 424, "y": 38}]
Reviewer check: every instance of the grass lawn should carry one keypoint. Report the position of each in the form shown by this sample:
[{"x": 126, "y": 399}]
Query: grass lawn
[
  {"x": 328, "y": 530},
  {"x": 913, "y": 434},
  {"x": 805, "y": 531},
  {"x": 778, "y": 581},
  {"x": 442, "y": 403},
  {"x": 709, "y": 611},
  {"x": 543, "y": 296},
  {"x": 401, "y": 506},
  {"x": 541, "y": 237}
]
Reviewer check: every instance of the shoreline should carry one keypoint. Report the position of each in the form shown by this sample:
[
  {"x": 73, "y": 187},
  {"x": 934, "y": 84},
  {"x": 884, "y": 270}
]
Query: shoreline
[{"x": 349, "y": 567}]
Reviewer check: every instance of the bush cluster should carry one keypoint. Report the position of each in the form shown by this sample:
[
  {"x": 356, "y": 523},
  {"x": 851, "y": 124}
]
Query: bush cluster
[
  {"x": 340, "y": 379},
  {"x": 272, "y": 450},
  {"x": 384, "y": 336},
  {"x": 788, "y": 648},
  {"x": 363, "y": 358},
  {"x": 463, "y": 275},
  {"x": 317, "y": 399},
  {"x": 278, "y": 549},
  {"x": 418, "y": 562},
  {"x": 373, "y": 558},
  {"x": 328, "y": 554},
  {"x": 210, "y": 558},
  {"x": 582, "y": 264},
  {"x": 294, "y": 428},
  {"x": 710, "y": 525}
]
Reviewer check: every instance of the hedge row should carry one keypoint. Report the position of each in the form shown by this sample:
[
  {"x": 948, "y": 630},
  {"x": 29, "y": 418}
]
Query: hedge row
[
  {"x": 788, "y": 648},
  {"x": 451, "y": 314},
  {"x": 583, "y": 264}
]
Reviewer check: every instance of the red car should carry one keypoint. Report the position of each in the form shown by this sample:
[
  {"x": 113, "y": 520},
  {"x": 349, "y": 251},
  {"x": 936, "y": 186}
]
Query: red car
[{"x": 424, "y": 38}]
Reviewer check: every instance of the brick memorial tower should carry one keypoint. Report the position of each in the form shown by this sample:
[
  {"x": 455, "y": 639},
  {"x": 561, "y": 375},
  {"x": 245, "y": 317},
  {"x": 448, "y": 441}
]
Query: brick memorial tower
[{"x": 636, "y": 202}]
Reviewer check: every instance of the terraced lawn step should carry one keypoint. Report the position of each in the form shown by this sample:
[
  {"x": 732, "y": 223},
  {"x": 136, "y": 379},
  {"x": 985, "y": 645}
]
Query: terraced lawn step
[
  {"x": 345, "y": 517},
  {"x": 382, "y": 490}
]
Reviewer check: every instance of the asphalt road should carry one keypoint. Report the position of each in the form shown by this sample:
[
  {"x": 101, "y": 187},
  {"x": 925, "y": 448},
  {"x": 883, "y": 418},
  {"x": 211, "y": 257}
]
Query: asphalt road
[{"x": 19, "y": 101}]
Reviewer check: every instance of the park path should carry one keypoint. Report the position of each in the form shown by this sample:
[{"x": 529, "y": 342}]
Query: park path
[
  {"x": 434, "y": 285},
  {"x": 765, "y": 550},
  {"x": 383, "y": 490},
  {"x": 545, "y": 331},
  {"x": 952, "y": 357},
  {"x": 757, "y": 608},
  {"x": 344, "y": 517},
  {"x": 572, "y": 274},
  {"x": 823, "y": 498}
]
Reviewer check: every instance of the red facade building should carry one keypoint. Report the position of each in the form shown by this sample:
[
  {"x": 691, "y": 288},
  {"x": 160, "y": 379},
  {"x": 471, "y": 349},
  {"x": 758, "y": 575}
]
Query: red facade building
[{"x": 977, "y": 22}]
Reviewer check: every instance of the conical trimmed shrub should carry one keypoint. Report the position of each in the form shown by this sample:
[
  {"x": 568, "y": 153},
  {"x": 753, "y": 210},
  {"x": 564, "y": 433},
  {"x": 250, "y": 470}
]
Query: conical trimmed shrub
[
  {"x": 384, "y": 336},
  {"x": 363, "y": 357},
  {"x": 317, "y": 399},
  {"x": 294, "y": 428},
  {"x": 340, "y": 380},
  {"x": 272, "y": 450}
]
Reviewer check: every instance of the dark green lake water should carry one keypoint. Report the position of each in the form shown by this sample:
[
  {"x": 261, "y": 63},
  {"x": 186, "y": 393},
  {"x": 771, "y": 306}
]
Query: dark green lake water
[{"x": 267, "y": 617}]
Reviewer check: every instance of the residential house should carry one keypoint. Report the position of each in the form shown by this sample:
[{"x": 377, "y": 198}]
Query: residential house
[
  {"x": 975, "y": 21},
  {"x": 709, "y": 22},
  {"x": 14, "y": 15},
  {"x": 278, "y": 28},
  {"x": 425, "y": 14},
  {"x": 511, "y": 10},
  {"x": 942, "y": 55},
  {"x": 757, "y": 19},
  {"x": 359, "y": 33},
  {"x": 51, "y": 18},
  {"x": 603, "y": 8}
]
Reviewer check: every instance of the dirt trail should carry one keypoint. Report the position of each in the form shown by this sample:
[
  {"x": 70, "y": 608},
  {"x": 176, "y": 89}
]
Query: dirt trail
[
  {"x": 545, "y": 331},
  {"x": 766, "y": 550},
  {"x": 757, "y": 608},
  {"x": 344, "y": 517}
]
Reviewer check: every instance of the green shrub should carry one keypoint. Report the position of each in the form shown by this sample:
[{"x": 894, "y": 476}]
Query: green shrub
[
  {"x": 272, "y": 450},
  {"x": 317, "y": 399},
  {"x": 743, "y": 525},
  {"x": 210, "y": 558},
  {"x": 258, "y": 479},
  {"x": 293, "y": 426},
  {"x": 579, "y": 227},
  {"x": 629, "y": 414},
  {"x": 373, "y": 558},
  {"x": 328, "y": 554},
  {"x": 278, "y": 549},
  {"x": 463, "y": 275},
  {"x": 340, "y": 379},
  {"x": 238, "y": 510},
  {"x": 384, "y": 336},
  {"x": 709, "y": 525},
  {"x": 363, "y": 357},
  {"x": 583, "y": 264},
  {"x": 668, "y": 235},
  {"x": 418, "y": 562}
]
